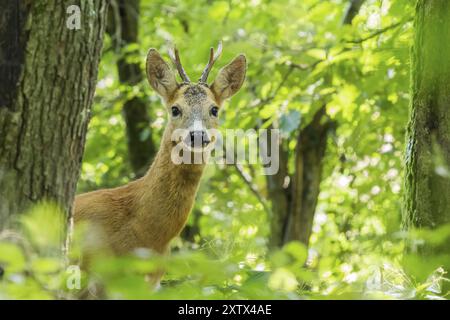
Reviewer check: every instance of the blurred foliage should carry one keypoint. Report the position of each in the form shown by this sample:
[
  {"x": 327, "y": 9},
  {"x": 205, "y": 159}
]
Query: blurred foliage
[
  {"x": 33, "y": 268},
  {"x": 300, "y": 57}
]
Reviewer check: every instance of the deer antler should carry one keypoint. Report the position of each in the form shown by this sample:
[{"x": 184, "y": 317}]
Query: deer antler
[
  {"x": 212, "y": 59},
  {"x": 175, "y": 57}
]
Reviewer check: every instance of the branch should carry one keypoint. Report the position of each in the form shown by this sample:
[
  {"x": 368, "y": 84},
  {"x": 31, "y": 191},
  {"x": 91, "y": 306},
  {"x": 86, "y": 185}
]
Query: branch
[
  {"x": 249, "y": 182},
  {"x": 292, "y": 66},
  {"x": 227, "y": 14},
  {"x": 381, "y": 31}
]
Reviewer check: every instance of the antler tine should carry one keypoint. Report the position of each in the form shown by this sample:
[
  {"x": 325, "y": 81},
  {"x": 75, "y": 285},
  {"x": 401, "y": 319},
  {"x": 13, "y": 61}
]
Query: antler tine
[
  {"x": 212, "y": 59},
  {"x": 175, "y": 57}
]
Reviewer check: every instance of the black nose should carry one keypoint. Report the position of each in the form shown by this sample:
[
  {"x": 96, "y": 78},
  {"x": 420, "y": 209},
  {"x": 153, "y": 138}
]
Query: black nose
[{"x": 198, "y": 138}]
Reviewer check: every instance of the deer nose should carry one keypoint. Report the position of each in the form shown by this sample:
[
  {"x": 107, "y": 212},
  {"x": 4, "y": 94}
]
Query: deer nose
[{"x": 198, "y": 138}]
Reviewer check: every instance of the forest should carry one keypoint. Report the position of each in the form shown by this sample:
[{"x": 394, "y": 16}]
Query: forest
[{"x": 354, "y": 96}]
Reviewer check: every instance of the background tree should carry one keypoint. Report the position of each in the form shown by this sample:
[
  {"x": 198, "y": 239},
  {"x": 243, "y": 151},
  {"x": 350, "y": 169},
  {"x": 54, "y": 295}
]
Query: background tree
[
  {"x": 47, "y": 86},
  {"x": 427, "y": 178},
  {"x": 123, "y": 27},
  {"x": 293, "y": 219}
]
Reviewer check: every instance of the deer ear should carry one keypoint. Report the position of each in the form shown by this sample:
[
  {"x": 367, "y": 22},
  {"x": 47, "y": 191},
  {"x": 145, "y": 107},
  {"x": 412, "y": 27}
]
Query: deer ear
[
  {"x": 160, "y": 76},
  {"x": 230, "y": 79}
]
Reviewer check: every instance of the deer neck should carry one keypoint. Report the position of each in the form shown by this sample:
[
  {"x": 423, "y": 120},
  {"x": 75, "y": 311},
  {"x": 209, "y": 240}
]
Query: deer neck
[{"x": 168, "y": 189}]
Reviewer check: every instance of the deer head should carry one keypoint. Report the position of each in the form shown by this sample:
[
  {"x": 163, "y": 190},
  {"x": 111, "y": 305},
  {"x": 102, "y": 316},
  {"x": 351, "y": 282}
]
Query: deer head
[{"x": 194, "y": 107}]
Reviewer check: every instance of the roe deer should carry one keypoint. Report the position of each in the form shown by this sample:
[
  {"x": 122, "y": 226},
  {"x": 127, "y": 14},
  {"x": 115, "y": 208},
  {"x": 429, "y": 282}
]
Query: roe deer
[{"x": 151, "y": 211}]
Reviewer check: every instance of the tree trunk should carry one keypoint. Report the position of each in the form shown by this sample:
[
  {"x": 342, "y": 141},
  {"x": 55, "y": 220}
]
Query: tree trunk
[
  {"x": 352, "y": 11},
  {"x": 123, "y": 27},
  {"x": 48, "y": 77},
  {"x": 279, "y": 193},
  {"x": 427, "y": 178},
  {"x": 311, "y": 146},
  {"x": 294, "y": 207}
]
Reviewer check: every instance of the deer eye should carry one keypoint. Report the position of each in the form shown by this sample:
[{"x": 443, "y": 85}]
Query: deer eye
[
  {"x": 214, "y": 111},
  {"x": 176, "y": 111}
]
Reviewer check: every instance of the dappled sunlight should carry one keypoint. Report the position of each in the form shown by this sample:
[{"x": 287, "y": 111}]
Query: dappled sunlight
[{"x": 352, "y": 211}]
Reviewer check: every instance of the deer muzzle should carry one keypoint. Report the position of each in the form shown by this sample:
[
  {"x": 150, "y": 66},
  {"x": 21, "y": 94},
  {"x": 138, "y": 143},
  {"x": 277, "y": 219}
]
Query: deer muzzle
[{"x": 197, "y": 139}]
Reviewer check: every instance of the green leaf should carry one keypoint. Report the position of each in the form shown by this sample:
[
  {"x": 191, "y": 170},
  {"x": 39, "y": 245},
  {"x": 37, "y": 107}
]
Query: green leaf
[{"x": 12, "y": 258}]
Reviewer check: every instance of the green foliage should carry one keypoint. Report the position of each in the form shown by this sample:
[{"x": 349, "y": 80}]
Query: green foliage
[
  {"x": 36, "y": 270},
  {"x": 31, "y": 256},
  {"x": 300, "y": 57}
]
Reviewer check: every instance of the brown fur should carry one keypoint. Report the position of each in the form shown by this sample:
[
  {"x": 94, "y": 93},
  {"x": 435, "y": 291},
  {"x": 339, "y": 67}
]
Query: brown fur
[
  {"x": 151, "y": 211},
  {"x": 132, "y": 217}
]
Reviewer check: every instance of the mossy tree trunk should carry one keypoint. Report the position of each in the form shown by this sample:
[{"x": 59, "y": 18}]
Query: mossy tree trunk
[
  {"x": 48, "y": 78},
  {"x": 427, "y": 178}
]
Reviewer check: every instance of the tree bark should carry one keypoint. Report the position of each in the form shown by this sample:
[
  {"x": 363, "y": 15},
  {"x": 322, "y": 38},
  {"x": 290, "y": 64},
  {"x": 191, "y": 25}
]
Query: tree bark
[
  {"x": 427, "y": 178},
  {"x": 48, "y": 77},
  {"x": 311, "y": 146},
  {"x": 123, "y": 28},
  {"x": 352, "y": 11},
  {"x": 279, "y": 193},
  {"x": 294, "y": 207}
]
